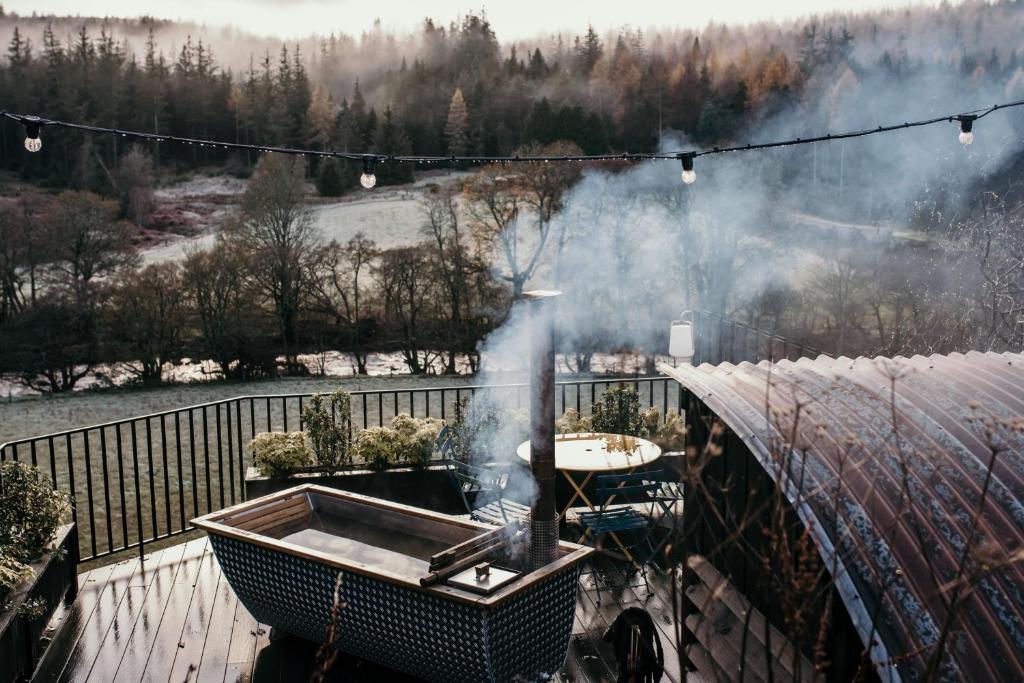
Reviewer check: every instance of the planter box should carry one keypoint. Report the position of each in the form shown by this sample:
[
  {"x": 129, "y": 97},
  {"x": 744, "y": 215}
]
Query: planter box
[
  {"x": 54, "y": 579},
  {"x": 425, "y": 487}
]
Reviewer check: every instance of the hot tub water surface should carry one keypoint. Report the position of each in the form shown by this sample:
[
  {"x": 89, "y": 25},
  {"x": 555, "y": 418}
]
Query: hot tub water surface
[{"x": 368, "y": 544}]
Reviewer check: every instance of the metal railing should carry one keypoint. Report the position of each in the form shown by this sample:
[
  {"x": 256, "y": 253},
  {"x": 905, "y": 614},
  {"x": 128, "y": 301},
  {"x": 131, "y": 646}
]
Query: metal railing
[
  {"x": 718, "y": 339},
  {"x": 141, "y": 479}
]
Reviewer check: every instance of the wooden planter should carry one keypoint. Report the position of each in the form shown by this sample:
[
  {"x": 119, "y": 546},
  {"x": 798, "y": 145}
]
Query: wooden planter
[
  {"x": 427, "y": 487},
  {"x": 54, "y": 579}
]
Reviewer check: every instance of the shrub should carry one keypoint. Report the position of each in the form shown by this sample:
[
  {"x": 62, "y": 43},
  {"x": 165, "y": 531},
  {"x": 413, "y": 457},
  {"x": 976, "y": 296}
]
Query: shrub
[
  {"x": 278, "y": 454},
  {"x": 671, "y": 436},
  {"x": 417, "y": 437},
  {"x": 650, "y": 417},
  {"x": 378, "y": 447},
  {"x": 30, "y": 511},
  {"x": 618, "y": 412},
  {"x": 12, "y": 572},
  {"x": 329, "y": 428},
  {"x": 572, "y": 422},
  {"x": 485, "y": 432}
]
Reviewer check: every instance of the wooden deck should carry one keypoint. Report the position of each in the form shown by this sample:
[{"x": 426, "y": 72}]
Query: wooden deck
[{"x": 174, "y": 618}]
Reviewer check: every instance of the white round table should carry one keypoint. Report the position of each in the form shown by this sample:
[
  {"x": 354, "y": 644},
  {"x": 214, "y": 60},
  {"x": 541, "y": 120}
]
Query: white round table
[{"x": 595, "y": 454}]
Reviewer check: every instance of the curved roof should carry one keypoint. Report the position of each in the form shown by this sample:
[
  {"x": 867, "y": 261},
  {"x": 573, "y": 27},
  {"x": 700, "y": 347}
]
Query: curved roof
[{"x": 955, "y": 414}]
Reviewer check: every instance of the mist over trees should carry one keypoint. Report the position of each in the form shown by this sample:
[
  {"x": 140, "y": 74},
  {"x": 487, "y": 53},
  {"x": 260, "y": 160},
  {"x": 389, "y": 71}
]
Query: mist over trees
[
  {"x": 455, "y": 89},
  {"x": 72, "y": 295}
]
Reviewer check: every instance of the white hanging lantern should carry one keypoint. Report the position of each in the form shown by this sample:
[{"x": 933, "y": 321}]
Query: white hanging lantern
[{"x": 680, "y": 340}]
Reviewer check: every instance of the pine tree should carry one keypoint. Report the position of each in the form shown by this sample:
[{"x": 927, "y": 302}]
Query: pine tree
[
  {"x": 299, "y": 98},
  {"x": 364, "y": 123},
  {"x": 455, "y": 131},
  {"x": 541, "y": 124},
  {"x": 595, "y": 138},
  {"x": 537, "y": 68},
  {"x": 321, "y": 119},
  {"x": 391, "y": 139},
  {"x": 588, "y": 51},
  {"x": 345, "y": 128},
  {"x": 333, "y": 180}
]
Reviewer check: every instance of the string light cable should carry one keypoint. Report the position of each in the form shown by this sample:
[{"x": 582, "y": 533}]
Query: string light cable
[{"x": 34, "y": 124}]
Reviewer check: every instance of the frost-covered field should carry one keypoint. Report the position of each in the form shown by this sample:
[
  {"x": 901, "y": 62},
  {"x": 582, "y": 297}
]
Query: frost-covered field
[
  {"x": 25, "y": 413},
  {"x": 33, "y": 416},
  {"x": 391, "y": 216}
]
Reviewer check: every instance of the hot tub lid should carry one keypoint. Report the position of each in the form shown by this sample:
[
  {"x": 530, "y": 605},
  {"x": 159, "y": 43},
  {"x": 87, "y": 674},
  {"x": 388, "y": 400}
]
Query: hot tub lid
[{"x": 483, "y": 581}]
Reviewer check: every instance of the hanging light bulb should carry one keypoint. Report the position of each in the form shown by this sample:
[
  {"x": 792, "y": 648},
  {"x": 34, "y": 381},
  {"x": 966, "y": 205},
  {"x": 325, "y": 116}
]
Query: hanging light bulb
[
  {"x": 32, "y": 141},
  {"x": 368, "y": 179},
  {"x": 966, "y": 128},
  {"x": 689, "y": 175}
]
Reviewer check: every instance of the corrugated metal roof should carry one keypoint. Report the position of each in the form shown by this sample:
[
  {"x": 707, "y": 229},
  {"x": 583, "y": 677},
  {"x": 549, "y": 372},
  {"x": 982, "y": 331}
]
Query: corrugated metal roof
[{"x": 950, "y": 411}]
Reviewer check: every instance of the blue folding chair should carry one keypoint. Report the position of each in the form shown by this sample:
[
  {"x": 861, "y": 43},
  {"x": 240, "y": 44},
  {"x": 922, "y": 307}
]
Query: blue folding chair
[
  {"x": 480, "y": 487},
  {"x": 626, "y": 511}
]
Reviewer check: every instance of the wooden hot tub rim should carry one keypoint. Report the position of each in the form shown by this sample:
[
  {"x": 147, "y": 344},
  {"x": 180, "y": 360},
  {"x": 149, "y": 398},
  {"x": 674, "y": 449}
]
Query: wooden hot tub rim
[{"x": 214, "y": 523}]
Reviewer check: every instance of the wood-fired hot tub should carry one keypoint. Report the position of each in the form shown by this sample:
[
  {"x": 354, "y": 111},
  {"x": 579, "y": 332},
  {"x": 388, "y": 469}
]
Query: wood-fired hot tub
[{"x": 406, "y": 606}]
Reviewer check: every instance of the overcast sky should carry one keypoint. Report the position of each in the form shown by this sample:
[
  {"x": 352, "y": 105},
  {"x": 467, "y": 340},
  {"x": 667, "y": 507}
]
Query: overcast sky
[{"x": 511, "y": 18}]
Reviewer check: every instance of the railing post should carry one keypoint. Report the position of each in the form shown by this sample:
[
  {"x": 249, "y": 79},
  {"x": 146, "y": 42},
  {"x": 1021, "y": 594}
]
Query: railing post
[
  {"x": 138, "y": 491},
  {"x": 120, "y": 483},
  {"x": 241, "y": 449},
  {"x": 106, "y": 488},
  {"x": 231, "y": 445},
  {"x": 152, "y": 484},
  {"x": 71, "y": 477}
]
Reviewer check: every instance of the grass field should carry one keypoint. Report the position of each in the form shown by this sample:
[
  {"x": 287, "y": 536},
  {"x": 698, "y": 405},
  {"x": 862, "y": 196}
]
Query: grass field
[{"x": 32, "y": 416}]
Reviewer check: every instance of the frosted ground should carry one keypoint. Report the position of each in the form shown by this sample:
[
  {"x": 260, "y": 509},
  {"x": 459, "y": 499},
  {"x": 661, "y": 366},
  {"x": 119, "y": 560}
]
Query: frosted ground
[{"x": 391, "y": 216}]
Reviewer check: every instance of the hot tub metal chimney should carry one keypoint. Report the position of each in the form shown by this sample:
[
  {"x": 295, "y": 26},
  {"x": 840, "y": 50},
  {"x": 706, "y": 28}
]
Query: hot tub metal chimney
[{"x": 543, "y": 514}]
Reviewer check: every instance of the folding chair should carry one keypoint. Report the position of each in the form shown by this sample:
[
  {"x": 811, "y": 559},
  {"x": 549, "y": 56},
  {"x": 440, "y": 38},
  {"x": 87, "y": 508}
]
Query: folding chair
[
  {"x": 480, "y": 487},
  {"x": 625, "y": 513}
]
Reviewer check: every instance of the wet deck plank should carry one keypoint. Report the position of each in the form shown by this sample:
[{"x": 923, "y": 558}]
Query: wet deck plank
[
  {"x": 140, "y": 642},
  {"x": 192, "y": 637},
  {"x": 57, "y": 656},
  {"x": 221, "y": 624},
  {"x": 90, "y": 645},
  {"x": 245, "y": 638},
  {"x": 175, "y": 618},
  {"x": 165, "y": 644},
  {"x": 131, "y": 605}
]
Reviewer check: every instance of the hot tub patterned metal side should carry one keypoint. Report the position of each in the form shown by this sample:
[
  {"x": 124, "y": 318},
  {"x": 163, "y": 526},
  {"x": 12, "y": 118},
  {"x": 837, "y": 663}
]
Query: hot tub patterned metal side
[{"x": 522, "y": 638}]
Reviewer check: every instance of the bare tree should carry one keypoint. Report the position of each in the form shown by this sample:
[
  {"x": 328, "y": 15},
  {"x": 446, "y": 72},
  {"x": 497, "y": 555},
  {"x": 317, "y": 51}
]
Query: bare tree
[
  {"x": 340, "y": 289},
  {"x": 53, "y": 344},
  {"x": 405, "y": 275},
  {"x": 276, "y": 230},
  {"x": 839, "y": 290},
  {"x": 88, "y": 244},
  {"x": 493, "y": 205},
  {"x": 463, "y": 279},
  {"x": 992, "y": 239},
  {"x": 12, "y": 262},
  {"x": 134, "y": 184},
  {"x": 221, "y": 289},
  {"x": 36, "y": 240},
  {"x": 544, "y": 189},
  {"x": 147, "y": 317},
  {"x": 497, "y": 199}
]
